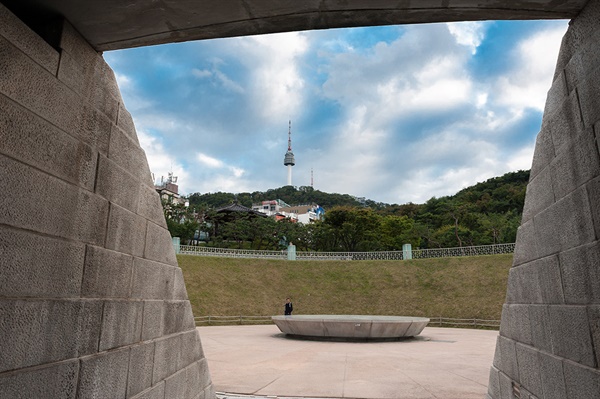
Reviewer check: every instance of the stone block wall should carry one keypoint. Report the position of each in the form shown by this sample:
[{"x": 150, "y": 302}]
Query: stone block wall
[
  {"x": 92, "y": 301},
  {"x": 549, "y": 343}
]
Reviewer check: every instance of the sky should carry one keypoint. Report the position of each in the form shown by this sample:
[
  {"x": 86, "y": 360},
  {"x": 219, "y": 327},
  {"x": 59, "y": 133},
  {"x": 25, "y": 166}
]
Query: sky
[{"x": 395, "y": 114}]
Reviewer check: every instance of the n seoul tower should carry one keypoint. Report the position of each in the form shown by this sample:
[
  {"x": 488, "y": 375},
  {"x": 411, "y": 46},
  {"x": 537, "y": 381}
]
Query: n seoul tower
[{"x": 289, "y": 157}]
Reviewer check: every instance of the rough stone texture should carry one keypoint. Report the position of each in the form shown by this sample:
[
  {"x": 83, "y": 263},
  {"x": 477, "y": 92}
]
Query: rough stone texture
[
  {"x": 121, "y": 324},
  {"x": 156, "y": 392},
  {"x": 117, "y": 185},
  {"x": 580, "y": 274},
  {"x": 153, "y": 319},
  {"x": 52, "y": 267},
  {"x": 126, "y": 231},
  {"x": 177, "y": 317},
  {"x": 82, "y": 312},
  {"x": 175, "y": 385},
  {"x": 159, "y": 246},
  {"x": 529, "y": 369},
  {"x": 166, "y": 357},
  {"x": 141, "y": 363},
  {"x": 570, "y": 332},
  {"x": 536, "y": 282},
  {"x": 58, "y": 380},
  {"x": 103, "y": 375},
  {"x": 44, "y": 331},
  {"x": 107, "y": 274},
  {"x": 581, "y": 382},
  {"x": 152, "y": 280},
  {"x": 553, "y": 380}
]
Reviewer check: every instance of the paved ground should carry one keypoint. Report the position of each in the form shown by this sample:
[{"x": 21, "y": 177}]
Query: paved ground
[{"x": 443, "y": 363}]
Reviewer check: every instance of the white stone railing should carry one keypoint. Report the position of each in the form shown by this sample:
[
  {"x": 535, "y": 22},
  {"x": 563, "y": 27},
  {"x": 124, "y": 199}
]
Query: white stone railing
[{"x": 379, "y": 255}]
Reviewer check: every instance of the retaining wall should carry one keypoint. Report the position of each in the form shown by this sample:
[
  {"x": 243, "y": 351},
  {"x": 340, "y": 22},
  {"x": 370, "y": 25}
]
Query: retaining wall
[
  {"x": 549, "y": 344},
  {"x": 92, "y": 301}
]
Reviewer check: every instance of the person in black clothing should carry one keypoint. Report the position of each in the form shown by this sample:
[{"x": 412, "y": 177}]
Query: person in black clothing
[{"x": 288, "y": 307}]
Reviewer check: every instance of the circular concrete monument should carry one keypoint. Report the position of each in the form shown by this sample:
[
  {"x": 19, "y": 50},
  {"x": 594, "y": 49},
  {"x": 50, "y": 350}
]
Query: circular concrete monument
[{"x": 351, "y": 326}]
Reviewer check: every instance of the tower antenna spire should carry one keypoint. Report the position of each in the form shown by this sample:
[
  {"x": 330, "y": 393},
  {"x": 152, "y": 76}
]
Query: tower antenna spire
[
  {"x": 289, "y": 160},
  {"x": 290, "y": 136}
]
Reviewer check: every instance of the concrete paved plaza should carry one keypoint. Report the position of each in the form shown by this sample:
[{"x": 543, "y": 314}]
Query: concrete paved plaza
[{"x": 443, "y": 363}]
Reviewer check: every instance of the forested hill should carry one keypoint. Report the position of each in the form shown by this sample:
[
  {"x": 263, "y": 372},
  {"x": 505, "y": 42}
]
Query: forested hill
[
  {"x": 288, "y": 194},
  {"x": 497, "y": 195}
]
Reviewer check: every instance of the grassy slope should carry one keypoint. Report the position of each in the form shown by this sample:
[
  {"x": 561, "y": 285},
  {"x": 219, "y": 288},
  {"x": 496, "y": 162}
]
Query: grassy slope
[{"x": 470, "y": 287}]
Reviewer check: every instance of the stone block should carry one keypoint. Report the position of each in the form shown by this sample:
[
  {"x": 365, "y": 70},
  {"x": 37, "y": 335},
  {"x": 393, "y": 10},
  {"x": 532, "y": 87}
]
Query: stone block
[
  {"x": 557, "y": 94},
  {"x": 153, "y": 319},
  {"x": 519, "y": 324},
  {"x": 588, "y": 97},
  {"x": 191, "y": 348},
  {"x": 565, "y": 123},
  {"x": 159, "y": 245},
  {"x": 45, "y": 204},
  {"x": 27, "y": 41},
  {"x": 141, "y": 363},
  {"x": 573, "y": 214},
  {"x": 575, "y": 164},
  {"x": 104, "y": 375},
  {"x": 209, "y": 392},
  {"x": 175, "y": 385},
  {"x": 34, "y": 88},
  {"x": 505, "y": 321},
  {"x": 166, "y": 357},
  {"x": 581, "y": 382},
  {"x": 194, "y": 385},
  {"x": 580, "y": 274},
  {"x": 494, "y": 383},
  {"x": 565, "y": 54},
  {"x": 540, "y": 194},
  {"x": 156, "y": 392},
  {"x": 58, "y": 380},
  {"x": 34, "y": 141},
  {"x": 179, "y": 289},
  {"x": 526, "y": 248},
  {"x": 33, "y": 265},
  {"x": 552, "y": 376},
  {"x": 117, "y": 185},
  {"x": 536, "y": 282},
  {"x": 152, "y": 280},
  {"x": 506, "y": 386},
  {"x": 125, "y": 122},
  {"x": 539, "y": 320},
  {"x": 542, "y": 155},
  {"x": 508, "y": 358},
  {"x": 42, "y": 331},
  {"x": 177, "y": 317},
  {"x": 126, "y": 231},
  {"x": 529, "y": 369},
  {"x": 149, "y": 205},
  {"x": 86, "y": 79},
  {"x": 124, "y": 151},
  {"x": 107, "y": 274},
  {"x": 570, "y": 331},
  {"x": 121, "y": 324},
  {"x": 497, "y": 362},
  {"x": 584, "y": 60}
]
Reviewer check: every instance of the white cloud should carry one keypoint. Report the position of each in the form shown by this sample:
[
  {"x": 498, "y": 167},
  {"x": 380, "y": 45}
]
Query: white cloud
[
  {"x": 159, "y": 160},
  {"x": 209, "y": 161},
  {"x": 201, "y": 73},
  {"x": 469, "y": 34},
  {"x": 531, "y": 76}
]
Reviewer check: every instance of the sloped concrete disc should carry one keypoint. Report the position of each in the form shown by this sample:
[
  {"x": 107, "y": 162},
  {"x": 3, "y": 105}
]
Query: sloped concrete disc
[{"x": 351, "y": 326}]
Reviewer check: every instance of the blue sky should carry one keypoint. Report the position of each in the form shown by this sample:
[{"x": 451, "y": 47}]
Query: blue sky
[{"x": 396, "y": 114}]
